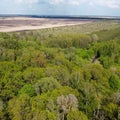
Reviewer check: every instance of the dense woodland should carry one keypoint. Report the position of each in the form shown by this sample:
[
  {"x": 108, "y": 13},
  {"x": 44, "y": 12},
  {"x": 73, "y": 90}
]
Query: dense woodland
[{"x": 61, "y": 73}]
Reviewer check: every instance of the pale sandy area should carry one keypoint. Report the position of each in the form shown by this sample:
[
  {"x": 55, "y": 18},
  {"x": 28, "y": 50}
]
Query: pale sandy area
[{"x": 12, "y": 24}]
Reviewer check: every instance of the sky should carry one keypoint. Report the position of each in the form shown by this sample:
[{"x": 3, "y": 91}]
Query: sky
[{"x": 61, "y": 7}]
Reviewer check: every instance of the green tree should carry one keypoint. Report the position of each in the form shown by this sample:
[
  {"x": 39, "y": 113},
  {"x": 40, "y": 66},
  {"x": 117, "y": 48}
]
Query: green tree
[
  {"x": 32, "y": 74},
  {"x": 88, "y": 99},
  {"x": 76, "y": 115},
  {"x": 111, "y": 111},
  {"x": 60, "y": 73},
  {"x": 114, "y": 82},
  {"x": 2, "y": 111},
  {"x": 28, "y": 89},
  {"x": 46, "y": 84},
  {"x": 19, "y": 108},
  {"x": 44, "y": 115},
  {"x": 10, "y": 80}
]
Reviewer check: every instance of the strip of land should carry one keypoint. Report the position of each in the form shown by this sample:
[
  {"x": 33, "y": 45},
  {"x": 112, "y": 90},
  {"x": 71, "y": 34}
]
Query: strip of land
[{"x": 12, "y": 24}]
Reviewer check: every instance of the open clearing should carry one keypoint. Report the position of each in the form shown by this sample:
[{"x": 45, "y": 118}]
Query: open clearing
[{"x": 11, "y": 24}]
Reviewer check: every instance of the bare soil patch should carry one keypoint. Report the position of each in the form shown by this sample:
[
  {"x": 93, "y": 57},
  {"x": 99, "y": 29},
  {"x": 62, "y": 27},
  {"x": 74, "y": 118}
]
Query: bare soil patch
[{"x": 12, "y": 24}]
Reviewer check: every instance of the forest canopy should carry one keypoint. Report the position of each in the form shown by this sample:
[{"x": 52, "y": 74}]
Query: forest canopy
[{"x": 55, "y": 74}]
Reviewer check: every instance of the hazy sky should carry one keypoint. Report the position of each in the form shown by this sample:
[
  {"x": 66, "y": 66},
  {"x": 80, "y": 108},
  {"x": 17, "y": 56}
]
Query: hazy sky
[{"x": 61, "y": 7}]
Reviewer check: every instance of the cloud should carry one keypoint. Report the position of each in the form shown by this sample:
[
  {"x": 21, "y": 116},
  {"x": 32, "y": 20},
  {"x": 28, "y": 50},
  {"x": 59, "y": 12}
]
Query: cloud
[
  {"x": 107, "y": 3},
  {"x": 56, "y": 1},
  {"x": 27, "y": 1},
  {"x": 76, "y": 2}
]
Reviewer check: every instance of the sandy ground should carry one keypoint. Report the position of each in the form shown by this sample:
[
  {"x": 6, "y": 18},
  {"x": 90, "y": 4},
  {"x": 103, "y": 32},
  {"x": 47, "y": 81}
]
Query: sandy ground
[{"x": 12, "y": 24}]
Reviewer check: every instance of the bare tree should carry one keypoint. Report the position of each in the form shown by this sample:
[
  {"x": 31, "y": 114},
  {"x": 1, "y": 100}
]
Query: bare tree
[{"x": 66, "y": 104}]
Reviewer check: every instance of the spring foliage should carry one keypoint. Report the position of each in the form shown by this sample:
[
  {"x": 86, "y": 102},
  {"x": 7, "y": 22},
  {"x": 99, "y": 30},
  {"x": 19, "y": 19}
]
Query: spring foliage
[{"x": 60, "y": 74}]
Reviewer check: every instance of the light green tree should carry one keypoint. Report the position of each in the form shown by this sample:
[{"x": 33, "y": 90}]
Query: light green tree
[{"x": 76, "y": 115}]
